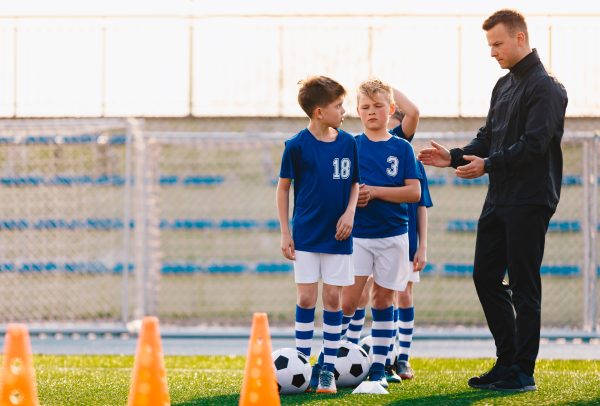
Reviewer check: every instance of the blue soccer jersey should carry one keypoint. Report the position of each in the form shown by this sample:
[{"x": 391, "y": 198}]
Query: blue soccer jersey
[
  {"x": 323, "y": 174},
  {"x": 388, "y": 164},
  {"x": 413, "y": 238}
]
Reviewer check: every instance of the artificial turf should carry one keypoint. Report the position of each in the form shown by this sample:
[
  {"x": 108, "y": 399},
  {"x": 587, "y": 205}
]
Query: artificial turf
[{"x": 217, "y": 380}]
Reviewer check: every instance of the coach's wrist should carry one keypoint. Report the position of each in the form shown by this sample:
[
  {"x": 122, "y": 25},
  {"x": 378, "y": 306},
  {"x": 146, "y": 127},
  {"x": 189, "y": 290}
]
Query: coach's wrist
[{"x": 487, "y": 165}]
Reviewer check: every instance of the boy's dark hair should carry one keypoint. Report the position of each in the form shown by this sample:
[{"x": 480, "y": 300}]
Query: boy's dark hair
[
  {"x": 398, "y": 115},
  {"x": 512, "y": 20},
  {"x": 318, "y": 91}
]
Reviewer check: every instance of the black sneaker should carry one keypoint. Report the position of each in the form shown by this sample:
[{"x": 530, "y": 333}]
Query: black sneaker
[
  {"x": 517, "y": 381},
  {"x": 485, "y": 381}
]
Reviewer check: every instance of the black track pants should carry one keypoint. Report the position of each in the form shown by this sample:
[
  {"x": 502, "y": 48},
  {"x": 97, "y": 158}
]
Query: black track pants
[{"x": 511, "y": 239}]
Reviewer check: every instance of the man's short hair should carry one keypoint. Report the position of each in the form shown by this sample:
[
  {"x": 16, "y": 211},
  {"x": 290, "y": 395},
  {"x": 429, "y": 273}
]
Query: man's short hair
[
  {"x": 372, "y": 87},
  {"x": 318, "y": 91},
  {"x": 512, "y": 20}
]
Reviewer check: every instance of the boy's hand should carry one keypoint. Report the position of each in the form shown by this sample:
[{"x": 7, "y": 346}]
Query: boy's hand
[
  {"x": 364, "y": 195},
  {"x": 420, "y": 260},
  {"x": 344, "y": 226},
  {"x": 287, "y": 246}
]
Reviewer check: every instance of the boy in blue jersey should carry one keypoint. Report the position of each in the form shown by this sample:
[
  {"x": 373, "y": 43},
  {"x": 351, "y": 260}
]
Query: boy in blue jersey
[
  {"x": 403, "y": 124},
  {"x": 322, "y": 160},
  {"x": 389, "y": 171},
  {"x": 417, "y": 236}
]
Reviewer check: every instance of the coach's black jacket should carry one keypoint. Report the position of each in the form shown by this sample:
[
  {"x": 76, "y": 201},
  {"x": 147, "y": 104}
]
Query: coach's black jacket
[{"x": 521, "y": 137}]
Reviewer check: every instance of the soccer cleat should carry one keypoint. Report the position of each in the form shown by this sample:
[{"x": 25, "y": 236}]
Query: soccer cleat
[
  {"x": 326, "y": 382},
  {"x": 516, "y": 381},
  {"x": 314, "y": 377},
  {"x": 391, "y": 376},
  {"x": 379, "y": 377},
  {"x": 404, "y": 370},
  {"x": 487, "y": 379}
]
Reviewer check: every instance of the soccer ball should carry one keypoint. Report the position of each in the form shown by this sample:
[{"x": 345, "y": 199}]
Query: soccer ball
[
  {"x": 292, "y": 370},
  {"x": 351, "y": 365},
  {"x": 367, "y": 345}
]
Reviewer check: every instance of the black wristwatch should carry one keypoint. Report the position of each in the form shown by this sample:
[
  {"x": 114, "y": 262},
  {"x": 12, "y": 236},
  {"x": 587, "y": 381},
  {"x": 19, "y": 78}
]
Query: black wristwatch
[{"x": 487, "y": 165}]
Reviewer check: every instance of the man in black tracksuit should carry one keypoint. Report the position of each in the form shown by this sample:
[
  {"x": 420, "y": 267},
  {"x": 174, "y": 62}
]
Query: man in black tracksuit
[{"x": 519, "y": 148}]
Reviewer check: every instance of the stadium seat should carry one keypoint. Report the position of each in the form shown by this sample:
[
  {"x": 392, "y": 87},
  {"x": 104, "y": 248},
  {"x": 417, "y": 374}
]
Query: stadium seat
[{"x": 559, "y": 226}]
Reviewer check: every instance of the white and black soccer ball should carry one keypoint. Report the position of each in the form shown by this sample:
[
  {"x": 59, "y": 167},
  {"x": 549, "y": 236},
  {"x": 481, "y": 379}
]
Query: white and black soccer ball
[
  {"x": 351, "y": 365},
  {"x": 292, "y": 370},
  {"x": 367, "y": 345}
]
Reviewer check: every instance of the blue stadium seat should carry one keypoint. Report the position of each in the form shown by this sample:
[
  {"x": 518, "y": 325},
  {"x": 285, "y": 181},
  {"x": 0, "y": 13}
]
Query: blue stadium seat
[
  {"x": 69, "y": 140},
  {"x": 227, "y": 268},
  {"x": 274, "y": 267},
  {"x": 560, "y": 270},
  {"x": 169, "y": 180},
  {"x": 548, "y": 270},
  {"x": 238, "y": 224},
  {"x": 105, "y": 180},
  {"x": 436, "y": 180},
  {"x": 559, "y": 226},
  {"x": 571, "y": 180},
  {"x": 481, "y": 181},
  {"x": 203, "y": 180},
  {"x": 179, "y": 268},
  {"x": 460, "y": 225},
  {"x": 187, "y": 267},
  {"x": 457, "y": 269}
]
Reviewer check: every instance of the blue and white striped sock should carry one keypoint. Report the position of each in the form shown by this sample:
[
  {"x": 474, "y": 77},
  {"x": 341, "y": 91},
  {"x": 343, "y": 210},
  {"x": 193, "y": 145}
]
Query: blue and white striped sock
[
  {"x": 345, "y": 323},
  {"x": 406, "y": 324},
  {"x": 390, "y": 357},
  {"x": 305, "y": 328},
  {"x": 356, "y": 325},
  {"x": 397, "y": 333},
  {"x": 382, "y": 332},
  {"x": 332, "y": 327}
]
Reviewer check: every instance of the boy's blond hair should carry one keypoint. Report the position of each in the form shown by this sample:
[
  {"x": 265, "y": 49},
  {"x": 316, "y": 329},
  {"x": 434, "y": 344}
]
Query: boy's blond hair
[
  {"x": 374, "y": 86},
  {"x": 318, "y": 91}
]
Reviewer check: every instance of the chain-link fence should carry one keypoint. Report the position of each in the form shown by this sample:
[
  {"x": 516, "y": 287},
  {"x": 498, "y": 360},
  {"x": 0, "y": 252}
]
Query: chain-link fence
[
  {"x": 218, "y": 234},
  {"x": 63, "y": 220},
  {"x": 192, "y": 215}
]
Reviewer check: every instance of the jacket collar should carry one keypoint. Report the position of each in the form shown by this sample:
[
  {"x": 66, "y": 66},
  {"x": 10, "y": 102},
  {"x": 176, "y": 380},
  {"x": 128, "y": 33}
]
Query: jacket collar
[{"x": 526, "y": 63}]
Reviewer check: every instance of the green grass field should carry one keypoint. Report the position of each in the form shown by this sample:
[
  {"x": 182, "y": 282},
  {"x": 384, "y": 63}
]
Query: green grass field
[{"x": 217, "y": 380}]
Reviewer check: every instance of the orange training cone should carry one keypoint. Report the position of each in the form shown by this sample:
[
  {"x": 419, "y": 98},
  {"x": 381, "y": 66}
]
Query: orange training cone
[
  {"x": 260, "y": 384},
  {"x": 149, "y": 379},
  {"x": 18, "y": 377}
]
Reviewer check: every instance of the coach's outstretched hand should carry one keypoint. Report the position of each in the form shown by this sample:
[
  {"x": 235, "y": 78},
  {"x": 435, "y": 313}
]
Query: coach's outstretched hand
[{"x": 438, "y": 155}]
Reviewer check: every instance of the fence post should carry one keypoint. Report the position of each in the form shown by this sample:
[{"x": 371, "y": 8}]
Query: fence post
[
  {"x": 132, "y": 125},
  {"x": 140, "y": 192},
  {"x": 590, "y": 226}
]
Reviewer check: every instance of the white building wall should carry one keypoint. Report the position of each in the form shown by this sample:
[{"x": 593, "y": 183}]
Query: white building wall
[{"x": 210, "y": 60}]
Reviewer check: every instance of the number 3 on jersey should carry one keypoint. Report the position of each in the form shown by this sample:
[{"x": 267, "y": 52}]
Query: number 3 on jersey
[
  {"x": 393, "y": 169},
  {"x": 341, "y": 171}
]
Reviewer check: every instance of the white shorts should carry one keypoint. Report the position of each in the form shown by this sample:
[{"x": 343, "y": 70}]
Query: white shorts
[
  {"x": 414, "y": 276},
  {"x": 334, "y": 269},
  {"x": 385, "y": 258}
]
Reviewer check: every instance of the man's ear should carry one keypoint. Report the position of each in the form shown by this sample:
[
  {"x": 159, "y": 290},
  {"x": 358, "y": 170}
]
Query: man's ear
[{"x": 392, "y": 108}]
